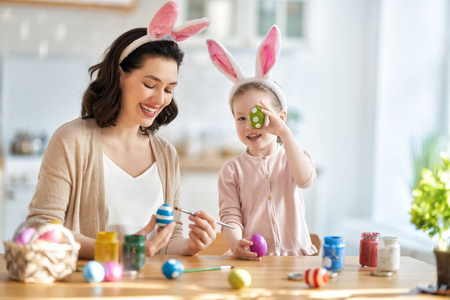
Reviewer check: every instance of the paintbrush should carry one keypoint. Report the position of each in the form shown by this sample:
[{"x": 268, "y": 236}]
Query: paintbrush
[
  {"x": 193, "y": 214},
  {"x": 209, "y": 269}
]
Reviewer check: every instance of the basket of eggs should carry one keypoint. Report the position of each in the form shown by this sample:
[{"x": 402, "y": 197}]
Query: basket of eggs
[{"x": 42, "y": 253}]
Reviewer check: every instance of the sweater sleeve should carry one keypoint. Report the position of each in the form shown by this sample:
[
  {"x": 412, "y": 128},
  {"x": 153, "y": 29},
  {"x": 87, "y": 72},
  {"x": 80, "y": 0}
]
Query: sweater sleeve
[
  {"x": 229, "y": 199},
  {"x": 53, "y": 189}
]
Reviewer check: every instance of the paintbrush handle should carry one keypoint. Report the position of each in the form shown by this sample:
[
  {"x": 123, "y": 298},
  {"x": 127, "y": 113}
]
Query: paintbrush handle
[{"x": 193, "y": 214}]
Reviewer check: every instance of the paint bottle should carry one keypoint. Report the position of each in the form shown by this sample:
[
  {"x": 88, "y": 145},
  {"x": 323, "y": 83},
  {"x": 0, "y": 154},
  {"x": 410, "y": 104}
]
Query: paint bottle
[
  {"x": 133, "y": 252},
  {"x": 368, "y": 247},
  {"x": 388, "y": 254},
  {"x": 106, "y": 247},
  {"x": 333, "y": 253}
]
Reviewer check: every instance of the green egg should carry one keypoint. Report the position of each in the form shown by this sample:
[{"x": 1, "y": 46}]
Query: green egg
[
  {"x": 256, "y": 117},
  {"x": 239, "y": 278}
]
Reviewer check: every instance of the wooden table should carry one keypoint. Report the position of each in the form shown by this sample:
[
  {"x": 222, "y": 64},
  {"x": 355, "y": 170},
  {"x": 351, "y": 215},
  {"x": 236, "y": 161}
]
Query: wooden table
[{"x": 269, "y": 281}]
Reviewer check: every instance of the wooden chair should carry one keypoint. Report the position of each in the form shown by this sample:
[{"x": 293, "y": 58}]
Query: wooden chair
[
  {"x": 315, "y": 240},
  {"x": 218, "y": 247}
]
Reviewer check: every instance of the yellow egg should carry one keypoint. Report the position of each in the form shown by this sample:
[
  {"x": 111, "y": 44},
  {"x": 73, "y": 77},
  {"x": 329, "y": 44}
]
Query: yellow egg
[{"x": 239, "y": 278}]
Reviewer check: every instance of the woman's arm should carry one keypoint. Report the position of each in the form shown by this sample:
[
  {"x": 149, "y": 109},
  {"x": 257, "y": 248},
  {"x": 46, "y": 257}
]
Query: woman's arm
[{"x": 202, "y": 234}]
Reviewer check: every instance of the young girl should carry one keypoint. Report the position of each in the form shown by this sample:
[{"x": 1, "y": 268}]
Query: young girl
[
  {"x": 109, "y": 170},
  {"x": 260, "y": 190}
]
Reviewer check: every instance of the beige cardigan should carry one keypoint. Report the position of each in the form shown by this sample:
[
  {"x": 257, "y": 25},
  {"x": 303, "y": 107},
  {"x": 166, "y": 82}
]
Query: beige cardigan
[{"x": 71, "y": 186}]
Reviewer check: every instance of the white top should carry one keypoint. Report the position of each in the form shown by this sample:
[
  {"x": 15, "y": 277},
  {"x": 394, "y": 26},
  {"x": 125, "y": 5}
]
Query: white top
[{"x": 130, "y": 201}]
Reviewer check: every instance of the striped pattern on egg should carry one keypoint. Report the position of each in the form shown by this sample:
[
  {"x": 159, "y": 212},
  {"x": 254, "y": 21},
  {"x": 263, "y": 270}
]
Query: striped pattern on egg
[
  {"x": 164, "y": 215},
  {"x": 316, "y": 277}
]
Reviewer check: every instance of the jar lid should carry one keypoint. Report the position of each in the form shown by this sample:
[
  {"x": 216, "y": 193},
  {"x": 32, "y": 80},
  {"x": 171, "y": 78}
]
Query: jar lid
[
  {"x": 389, "y": 240},
  {"x": 134, "y": 238},
  {"x": 107, "y": 236},
  {"x": 373, "y": 236},
  {"x": 333, "y": 240}
]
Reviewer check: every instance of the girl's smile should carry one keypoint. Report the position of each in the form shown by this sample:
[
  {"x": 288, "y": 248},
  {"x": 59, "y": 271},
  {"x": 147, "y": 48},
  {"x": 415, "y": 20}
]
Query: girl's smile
[{"x": 259, "y": 142}]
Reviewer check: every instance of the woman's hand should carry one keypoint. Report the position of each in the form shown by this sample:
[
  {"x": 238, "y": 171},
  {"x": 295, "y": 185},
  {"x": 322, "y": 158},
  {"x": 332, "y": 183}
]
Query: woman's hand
[
  {"x": 242, "y": 250},
  {"x": 203, "y": 231},
  {"x": 159, "y": 240}
]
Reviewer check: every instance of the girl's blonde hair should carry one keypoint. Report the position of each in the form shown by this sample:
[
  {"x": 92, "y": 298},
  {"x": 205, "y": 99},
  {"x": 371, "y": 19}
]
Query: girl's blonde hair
[{"x": 276, "y": 104}]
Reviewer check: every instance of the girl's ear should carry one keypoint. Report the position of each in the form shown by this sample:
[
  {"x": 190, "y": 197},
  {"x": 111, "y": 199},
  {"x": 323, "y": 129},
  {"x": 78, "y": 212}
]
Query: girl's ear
[
  {"x": 268, "y": 53},
  {"x": 189, "y": 28},
  {"x": 224, "y": 61},
  {"x": 164, "y": 20},
  {"x": 283, "y": 115}
]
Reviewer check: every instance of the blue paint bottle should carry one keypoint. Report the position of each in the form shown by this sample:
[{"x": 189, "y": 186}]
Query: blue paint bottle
[{"x": 333, "y": 253}]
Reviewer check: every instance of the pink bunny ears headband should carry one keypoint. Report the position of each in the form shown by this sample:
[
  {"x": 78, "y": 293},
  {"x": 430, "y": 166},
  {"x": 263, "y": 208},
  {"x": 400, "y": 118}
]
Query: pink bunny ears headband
[
  {"x": 266, "y": 57},
  {"x": 161, "y": 27}
]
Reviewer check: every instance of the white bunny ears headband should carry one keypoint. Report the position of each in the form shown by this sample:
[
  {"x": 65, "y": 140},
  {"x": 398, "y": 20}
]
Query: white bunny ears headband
[
  {"x": 161, "y": 27},
  {"x": 266, "y": 57}
]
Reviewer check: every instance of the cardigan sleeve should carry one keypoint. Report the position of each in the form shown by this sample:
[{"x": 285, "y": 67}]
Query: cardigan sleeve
[
  {"x": 52, "y": 194},
  {"x": 229, "y": 200}
]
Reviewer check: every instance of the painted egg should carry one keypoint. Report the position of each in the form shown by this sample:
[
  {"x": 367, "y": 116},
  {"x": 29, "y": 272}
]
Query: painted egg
[
  {"x": 172, "y": 268},
  {"x": 53, "y": 236},
  {"x": 239, "y": 278},
  {"x": 25, "y": 236},
  {"x": 164, "y": 215},
  {"x": 259, "y": 245},
  {"x": 316, "y": 277},
  {"x": 256, "y": 117},
  {"x": 93, "y": 271},
  {"x": 113, "y": 271}
]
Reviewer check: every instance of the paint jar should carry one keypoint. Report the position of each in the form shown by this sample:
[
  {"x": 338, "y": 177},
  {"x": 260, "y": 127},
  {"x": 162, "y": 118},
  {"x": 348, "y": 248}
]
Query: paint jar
[
  {"x": 106, "y": 247},
  {"x": 133, "y": 252},
  {"x": 388, "y": 254},
  {"x": 368, "y": 247},
  {"x": 333, "y": 253}
]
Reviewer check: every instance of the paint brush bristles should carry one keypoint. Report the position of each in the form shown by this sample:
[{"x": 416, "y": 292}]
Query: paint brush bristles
[{"x": 193, "y": 214}]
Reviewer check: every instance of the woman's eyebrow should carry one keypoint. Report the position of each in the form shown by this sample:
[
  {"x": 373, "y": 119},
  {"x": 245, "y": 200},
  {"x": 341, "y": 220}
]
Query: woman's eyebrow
[{"x": 159, "y": 80}]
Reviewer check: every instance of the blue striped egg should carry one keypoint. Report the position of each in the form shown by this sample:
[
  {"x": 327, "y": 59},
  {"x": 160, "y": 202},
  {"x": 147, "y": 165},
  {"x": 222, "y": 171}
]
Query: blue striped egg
[{"x": 164, "y": 215}]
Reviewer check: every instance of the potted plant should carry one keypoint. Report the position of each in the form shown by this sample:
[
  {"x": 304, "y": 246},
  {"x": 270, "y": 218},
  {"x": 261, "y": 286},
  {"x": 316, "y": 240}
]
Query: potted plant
[{"x": 430, "y": 212}]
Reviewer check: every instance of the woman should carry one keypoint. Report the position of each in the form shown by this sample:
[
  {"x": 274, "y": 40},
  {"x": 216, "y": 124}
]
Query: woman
[{"x": 109, "y": 170}]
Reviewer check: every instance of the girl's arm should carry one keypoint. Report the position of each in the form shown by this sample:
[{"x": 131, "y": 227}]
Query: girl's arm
[
  {"x": 240, "y": 247},
  {"x": 299, "y": 163}
]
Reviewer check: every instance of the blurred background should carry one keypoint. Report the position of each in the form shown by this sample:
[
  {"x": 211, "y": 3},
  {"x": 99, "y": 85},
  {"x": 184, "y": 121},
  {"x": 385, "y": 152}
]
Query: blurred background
[{"x": 366, "y": 82}]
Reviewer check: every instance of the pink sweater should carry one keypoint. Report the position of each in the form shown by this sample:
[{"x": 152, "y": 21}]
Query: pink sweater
[{"x": 259, "y": 195}]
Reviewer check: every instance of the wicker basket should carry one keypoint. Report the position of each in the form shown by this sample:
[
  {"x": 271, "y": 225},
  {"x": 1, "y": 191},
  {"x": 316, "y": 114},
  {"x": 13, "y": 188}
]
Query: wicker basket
[{"x": 43, "y": 263}]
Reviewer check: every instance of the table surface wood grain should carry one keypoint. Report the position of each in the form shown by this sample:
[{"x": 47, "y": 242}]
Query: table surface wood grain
[{"x": 269, "y": 281}]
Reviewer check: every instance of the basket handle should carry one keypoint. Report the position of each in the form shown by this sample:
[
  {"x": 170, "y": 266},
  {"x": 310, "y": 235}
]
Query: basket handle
[
  {"x": 48, "y": 227},
  {"x": 25, "y": 225}
]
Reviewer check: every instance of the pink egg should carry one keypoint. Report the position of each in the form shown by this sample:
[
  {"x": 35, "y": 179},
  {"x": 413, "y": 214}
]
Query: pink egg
[
  {"x": 25, "y": 236},
  {"x": 113, "y": 271},
  {"x": 53, "y": 236},
  {"x": 259, "y": 245}
]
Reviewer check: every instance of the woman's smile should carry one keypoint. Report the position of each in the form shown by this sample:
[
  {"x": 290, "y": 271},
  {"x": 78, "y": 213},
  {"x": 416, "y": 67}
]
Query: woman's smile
[{"x": 148, "y": 110}]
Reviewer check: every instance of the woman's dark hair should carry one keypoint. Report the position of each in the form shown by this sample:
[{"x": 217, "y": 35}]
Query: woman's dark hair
[{"x": 101, "y": 100}]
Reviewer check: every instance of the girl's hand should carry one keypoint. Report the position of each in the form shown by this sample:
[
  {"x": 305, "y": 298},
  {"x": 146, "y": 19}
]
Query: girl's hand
[
  {"x": 275, "y": 122},
  {"x": 159, "y": 240},
  {"x": 242, "y": 250},
  {"x": 203, "y": 231}
]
